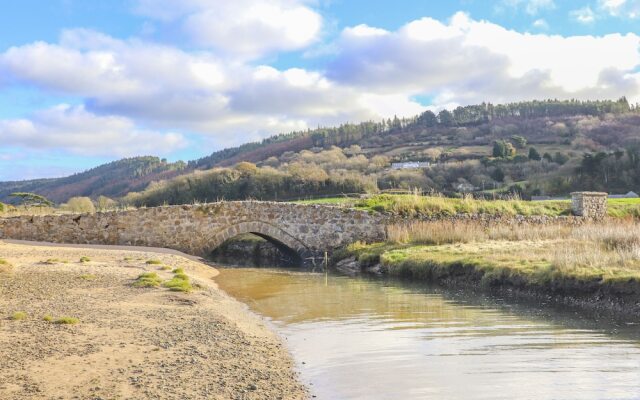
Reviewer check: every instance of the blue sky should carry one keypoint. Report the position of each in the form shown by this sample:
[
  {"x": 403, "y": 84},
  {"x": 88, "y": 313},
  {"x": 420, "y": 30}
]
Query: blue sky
[{"x": 82, "y": 83}]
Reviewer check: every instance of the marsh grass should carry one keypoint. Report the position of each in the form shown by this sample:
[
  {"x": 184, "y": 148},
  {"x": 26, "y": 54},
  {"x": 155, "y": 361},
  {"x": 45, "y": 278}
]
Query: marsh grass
[
  {"x": 67, "y": 321},
  {"x": 147, "y": 279},
  {"x": 605, "y": 252},
  {"x": 19, "y": 316},
  {"x": 52, "y": 261},
  {"x": 180, "y": 282},
  {"x": 5, "y": 266}
]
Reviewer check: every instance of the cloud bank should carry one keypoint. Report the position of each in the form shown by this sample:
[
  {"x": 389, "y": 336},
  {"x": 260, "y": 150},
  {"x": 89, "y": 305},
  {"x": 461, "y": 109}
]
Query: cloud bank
[{"x": 147, "y": 94}]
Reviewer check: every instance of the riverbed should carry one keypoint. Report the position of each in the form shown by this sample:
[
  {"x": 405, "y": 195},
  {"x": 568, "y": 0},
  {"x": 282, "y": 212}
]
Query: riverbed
[{"x": 365, "y": 338}]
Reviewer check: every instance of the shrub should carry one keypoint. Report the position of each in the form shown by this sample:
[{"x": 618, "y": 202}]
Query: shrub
[
  {"x": 67, "y": 321},
  {"x": 84, "y": 259},
  {"x": 147, "y": 279},
  {"x": 19, "y": 316},
  {"x": 80, "y": 205}
]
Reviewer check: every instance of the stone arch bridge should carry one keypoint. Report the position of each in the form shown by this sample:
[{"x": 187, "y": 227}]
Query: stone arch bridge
[{"x": 309, "y": 230}]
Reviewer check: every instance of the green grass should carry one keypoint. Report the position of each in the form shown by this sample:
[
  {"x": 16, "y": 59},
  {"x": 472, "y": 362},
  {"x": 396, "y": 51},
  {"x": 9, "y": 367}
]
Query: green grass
[
  {"x": 51, "y": 261},
  {"x": 67, "y": 321},
  {"x": 47, "y": 318},
  {"x": 179, "y": 283},
  {"x": 415, "y": 205},
  {"x": 4, "y": 262},
  {"x": 165, "y": 268},
  {"x": 147, "y": 279},
  {"x": 88, "y": 277},
  {"x": 153, "y": 262},
  {"x": 530, "y": 263},
  {"x": 334, "y": 201},
  {"x": 84, "y": 259},
  {"x": 621, "y": 208},
  {"x": 19, "y": 316}
]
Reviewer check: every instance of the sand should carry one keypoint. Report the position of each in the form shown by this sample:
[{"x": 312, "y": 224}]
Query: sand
[{"x": 130, "y": 343}]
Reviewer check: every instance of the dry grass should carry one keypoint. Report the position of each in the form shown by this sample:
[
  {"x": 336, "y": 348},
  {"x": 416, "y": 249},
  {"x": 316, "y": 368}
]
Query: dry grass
[
  {"x": 442, "y": 232},
  {"x": 603, "y": 252}
]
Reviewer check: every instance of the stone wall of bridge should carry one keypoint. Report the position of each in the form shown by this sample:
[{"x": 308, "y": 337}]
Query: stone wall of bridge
[{"x": 310, "y": 230}]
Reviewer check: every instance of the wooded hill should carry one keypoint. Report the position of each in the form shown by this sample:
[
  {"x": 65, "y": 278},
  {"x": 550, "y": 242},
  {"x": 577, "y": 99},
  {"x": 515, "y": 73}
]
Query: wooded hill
[{"x": 538, "y": 147}]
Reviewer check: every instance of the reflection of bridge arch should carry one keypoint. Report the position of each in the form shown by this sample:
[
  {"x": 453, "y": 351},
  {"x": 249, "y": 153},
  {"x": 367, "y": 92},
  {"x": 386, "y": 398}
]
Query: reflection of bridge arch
[{"x": 272, "y": 233}]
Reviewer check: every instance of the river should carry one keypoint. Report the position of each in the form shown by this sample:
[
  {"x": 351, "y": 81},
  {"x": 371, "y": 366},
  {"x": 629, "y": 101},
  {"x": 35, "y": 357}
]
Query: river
[{"x": 365, "y": 338}]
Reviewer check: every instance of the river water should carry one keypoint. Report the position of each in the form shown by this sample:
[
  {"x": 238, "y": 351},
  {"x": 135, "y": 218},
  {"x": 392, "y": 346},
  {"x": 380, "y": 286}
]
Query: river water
[{"x": 363, "y": 338}]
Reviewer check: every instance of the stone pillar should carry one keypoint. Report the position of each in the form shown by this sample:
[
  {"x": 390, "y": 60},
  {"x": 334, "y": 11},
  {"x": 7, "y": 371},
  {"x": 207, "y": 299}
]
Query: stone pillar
[{"x": 589, "y": 204}]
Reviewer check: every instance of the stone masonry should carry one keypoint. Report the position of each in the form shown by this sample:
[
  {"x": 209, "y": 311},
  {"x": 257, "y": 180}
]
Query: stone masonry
[
  {"x": 309, "y": 230},
  {"x": 589, "y": 204}
]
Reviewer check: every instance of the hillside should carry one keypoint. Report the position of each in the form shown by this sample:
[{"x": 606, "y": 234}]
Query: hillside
[
  {"x": 112, "y": 180},
  {"x": 540, "y": 147}
]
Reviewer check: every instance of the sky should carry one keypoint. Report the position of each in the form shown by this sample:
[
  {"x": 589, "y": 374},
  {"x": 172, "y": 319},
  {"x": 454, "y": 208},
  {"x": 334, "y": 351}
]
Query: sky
[{"x": 88, "y": 82}]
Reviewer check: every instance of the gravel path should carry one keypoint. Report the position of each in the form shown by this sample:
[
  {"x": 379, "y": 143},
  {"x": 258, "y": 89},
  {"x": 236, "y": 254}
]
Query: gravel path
[{"x": 130, "y": 343}]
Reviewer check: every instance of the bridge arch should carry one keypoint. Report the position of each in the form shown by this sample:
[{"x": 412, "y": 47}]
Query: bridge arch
[{"x": 272, "y": 233}]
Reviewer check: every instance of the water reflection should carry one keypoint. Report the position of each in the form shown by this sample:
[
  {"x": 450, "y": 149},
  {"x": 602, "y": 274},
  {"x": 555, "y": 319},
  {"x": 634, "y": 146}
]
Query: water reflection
[{"x": 357, "y": 338}]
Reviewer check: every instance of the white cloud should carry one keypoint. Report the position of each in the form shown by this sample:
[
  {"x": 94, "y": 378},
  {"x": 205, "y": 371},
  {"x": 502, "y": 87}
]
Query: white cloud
[
  {"x": 540, "y": 24},
  {"x": 531, "y": 7},
  {"x": 621, "y": 8},
  {"x": 473, "y": 60},
  {"x": 74, "y": 129},
  {"x": 371, "y": 73},
  {"x": 245, "y": 28},
  {"x": 583, "y": 15}
]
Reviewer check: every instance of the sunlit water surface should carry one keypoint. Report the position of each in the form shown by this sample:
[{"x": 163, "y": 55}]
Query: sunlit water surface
[{"x": 359, "y": 338}]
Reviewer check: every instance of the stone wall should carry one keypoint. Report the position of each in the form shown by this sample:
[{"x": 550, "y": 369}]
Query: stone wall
[
  {"x": 310, "y": 230},
  {"x": 589, "y": 204}
]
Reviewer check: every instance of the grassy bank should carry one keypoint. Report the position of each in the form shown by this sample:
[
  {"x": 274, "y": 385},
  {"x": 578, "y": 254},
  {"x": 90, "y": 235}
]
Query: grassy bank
[
  {"x": 412, "y": 205},
  {"x": 599, "y": 260}
]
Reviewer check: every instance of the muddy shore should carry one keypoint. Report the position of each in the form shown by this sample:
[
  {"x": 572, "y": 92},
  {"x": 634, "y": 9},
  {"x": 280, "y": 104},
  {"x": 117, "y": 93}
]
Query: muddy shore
[{"x": 129, "y": 343}]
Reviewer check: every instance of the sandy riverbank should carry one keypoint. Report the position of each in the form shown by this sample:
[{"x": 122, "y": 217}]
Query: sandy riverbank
[{"x": 130, "y": 343}]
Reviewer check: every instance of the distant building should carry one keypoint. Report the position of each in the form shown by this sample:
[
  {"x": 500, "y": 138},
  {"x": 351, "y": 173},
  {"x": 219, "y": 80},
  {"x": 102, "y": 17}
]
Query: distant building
[
  {"x": 465, "y": 187},
  {"x": 410, "y": 165},
  {"x": 629, "y": 195}
]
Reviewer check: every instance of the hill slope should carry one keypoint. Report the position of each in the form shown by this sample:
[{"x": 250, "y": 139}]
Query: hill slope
[
  {"x": 538, "y": 147},
  {"x": 112, "y": 180}
]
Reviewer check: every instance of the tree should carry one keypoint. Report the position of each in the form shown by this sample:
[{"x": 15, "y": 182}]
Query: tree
[
  {"x": 519, "y": 141},
  {"x": 503, "y": 149},
  {"x": 80, "y": 205},
  {"x": 547, "y": 157},
  {"x": 446, "y": 118},
  {"x": 32, "y": 200},
  {"x": 499, "y": 149},
  {"x": 428, "y": 119},
  {"x": 104, "y": 203},
  {"x": 534, "y": 155},
  {"x": 246, "y": 168},
  {"x": 560, "y": 158},
  {"x": 498, "y": 175}
]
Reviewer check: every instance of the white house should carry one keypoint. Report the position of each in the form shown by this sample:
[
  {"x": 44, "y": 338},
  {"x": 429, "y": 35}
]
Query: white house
[
  {"x": 630, "y": 195},
  {"x": 410, "y": 165}
]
